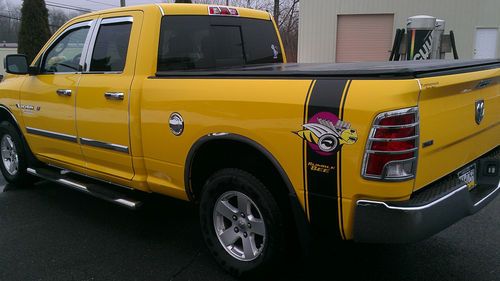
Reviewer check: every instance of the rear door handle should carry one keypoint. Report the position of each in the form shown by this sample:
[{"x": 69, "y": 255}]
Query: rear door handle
[
  {"x": 114, "y": 96},
  {"x": 64, "y": 92}
]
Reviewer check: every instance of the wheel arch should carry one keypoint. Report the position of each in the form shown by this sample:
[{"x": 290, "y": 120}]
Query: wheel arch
[
  {"x": 7, "y": 115},
  {"x": 206, "y": 142},
  {"x": 200, "y": 144}
]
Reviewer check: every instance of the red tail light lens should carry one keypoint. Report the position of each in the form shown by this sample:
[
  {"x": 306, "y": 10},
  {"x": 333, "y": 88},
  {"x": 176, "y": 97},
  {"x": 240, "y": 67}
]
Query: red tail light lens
[
  {"x": 222, "y": 11},
  {"x": 376, "y": 162},
  {"x": 392, "y": 147},
  {"x": 214, "y": 10},
  {"x": 395, "y": 133},
  {"x": 398, "y": 120}
]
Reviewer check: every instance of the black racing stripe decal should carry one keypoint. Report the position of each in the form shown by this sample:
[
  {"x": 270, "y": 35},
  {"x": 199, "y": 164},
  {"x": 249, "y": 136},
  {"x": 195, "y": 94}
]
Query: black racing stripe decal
[
  {"x": 324, "y": 104},
  {"x": 304, "y": 175},
  {"x": 339, "y": 165}
]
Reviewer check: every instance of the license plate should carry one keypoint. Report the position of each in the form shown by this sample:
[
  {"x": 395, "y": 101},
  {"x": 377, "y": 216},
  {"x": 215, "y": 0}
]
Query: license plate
[{"x": 468, "y": 175}]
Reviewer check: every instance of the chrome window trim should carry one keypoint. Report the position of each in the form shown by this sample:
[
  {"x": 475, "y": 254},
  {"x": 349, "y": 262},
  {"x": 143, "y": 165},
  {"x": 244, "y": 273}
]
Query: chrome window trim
[
  {"x": 51, "y": 134},
  {"x": 161, "y": 9},
  {"x": 90, "y": 24},
  {"x": 117, "y": 20},
  {"x": 102, "y": 72},
  {"x": 87, "y": 45},
  {"x": 105, "y": 145},
  {"x": 90, "y": 51}
]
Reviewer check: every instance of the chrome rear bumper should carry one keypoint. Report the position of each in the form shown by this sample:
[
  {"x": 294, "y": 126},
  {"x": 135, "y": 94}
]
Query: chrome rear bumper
[{"x": 441, "y": 205}]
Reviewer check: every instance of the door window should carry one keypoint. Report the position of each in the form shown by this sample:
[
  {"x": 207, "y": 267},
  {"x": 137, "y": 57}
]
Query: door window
[
  {"x": 111, "y": 45},
  {"x": 65, "y": 54}
]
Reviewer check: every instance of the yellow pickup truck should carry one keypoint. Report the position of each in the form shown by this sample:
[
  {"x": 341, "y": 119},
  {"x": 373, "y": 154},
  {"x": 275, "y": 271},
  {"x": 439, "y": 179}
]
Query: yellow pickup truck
[{"x": 197, "y": 102}]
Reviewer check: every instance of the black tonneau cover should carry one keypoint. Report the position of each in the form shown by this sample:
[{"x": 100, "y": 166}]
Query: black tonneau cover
[{"x": 387, "y": 70}]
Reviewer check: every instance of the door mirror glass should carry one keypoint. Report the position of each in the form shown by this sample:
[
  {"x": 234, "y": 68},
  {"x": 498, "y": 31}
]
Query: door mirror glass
[{"x": 16, "y": 64}]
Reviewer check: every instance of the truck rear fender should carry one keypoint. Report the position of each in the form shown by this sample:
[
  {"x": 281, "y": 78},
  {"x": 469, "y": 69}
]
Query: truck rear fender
[{"x": 200, "y": 165}]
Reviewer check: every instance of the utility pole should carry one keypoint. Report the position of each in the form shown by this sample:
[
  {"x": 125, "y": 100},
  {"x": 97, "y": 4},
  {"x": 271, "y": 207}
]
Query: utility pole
[
  {"x": 276, "y": 10},
  {"x": 122, "y": 3}
]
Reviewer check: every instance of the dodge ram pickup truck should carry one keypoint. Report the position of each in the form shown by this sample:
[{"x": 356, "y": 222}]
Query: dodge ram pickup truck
[{"x": 198, "y": 103}]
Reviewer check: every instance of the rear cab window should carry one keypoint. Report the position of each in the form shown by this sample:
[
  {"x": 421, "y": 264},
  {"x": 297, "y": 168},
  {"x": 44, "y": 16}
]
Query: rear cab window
[{"x": 211, "y": 42}]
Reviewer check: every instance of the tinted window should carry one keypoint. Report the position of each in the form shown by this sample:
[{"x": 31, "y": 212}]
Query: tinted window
[
  {"x": 229, "y": 50},
  {"x": 111, "y": 45},
  {"x": 201, "y": 42},
  {"x": 65, "y": 54}
]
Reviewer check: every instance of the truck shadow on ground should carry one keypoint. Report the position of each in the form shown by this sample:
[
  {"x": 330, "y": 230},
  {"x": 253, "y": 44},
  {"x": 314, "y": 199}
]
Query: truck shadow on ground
[{"x": 49, "y": 232}]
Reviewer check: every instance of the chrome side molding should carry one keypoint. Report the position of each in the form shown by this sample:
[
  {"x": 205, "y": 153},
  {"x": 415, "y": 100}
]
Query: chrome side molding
[
  {"x": 50, "y": 134},
  {"x": 105, "y": 145}
]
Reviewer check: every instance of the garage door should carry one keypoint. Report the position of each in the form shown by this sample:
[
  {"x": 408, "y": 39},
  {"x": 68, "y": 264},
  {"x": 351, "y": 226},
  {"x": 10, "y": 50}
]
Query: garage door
[{"x": 364, "y": 37}]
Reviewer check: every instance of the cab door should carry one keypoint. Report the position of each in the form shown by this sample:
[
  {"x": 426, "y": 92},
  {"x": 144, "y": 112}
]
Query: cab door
[
  {"x": 47, "y": 100},
  {"x": 102, "y": 104}
]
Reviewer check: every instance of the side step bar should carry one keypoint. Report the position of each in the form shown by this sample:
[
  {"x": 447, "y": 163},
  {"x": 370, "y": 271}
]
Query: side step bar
[{"x": 98, "y": 189}]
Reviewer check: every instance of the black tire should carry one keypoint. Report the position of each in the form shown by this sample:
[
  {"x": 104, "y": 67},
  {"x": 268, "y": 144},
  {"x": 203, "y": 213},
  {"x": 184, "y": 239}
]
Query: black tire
[
  {"x": 273, "y": 249},
  {"x": 20, "y": 177}
]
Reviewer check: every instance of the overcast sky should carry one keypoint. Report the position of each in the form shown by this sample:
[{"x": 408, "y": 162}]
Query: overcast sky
[{"x": 94, "y": 4}]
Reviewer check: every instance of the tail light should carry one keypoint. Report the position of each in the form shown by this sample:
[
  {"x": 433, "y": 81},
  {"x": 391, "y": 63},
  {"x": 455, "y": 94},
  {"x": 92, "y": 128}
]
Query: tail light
[
  {"x": 222, "y": 11},
  {"x": 392, "y": 147}
]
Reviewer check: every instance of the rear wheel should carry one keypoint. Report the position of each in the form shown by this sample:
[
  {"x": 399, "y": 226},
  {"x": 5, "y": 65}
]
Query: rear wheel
[
  {"x": 241, "y": 223},
  {"x": 14, "y": 159}
]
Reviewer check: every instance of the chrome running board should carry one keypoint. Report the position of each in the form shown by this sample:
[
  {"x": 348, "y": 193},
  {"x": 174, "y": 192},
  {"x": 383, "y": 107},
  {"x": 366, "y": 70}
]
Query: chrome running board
[{"x": 101, "y": 190}]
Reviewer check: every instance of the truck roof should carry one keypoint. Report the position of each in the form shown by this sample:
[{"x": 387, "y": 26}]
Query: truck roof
[
  {"x": 380, "y": 70},
  {"x": 184, "y": 9}
]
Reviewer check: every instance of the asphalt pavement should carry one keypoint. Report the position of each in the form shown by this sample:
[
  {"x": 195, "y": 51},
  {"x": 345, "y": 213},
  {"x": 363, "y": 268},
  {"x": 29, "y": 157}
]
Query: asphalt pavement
[{"x": 50, "y": 232}]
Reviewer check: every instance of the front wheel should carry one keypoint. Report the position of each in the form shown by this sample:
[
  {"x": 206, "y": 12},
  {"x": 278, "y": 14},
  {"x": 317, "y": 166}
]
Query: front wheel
[
  {"x": 241, "y": 223},
  {"x": 14, "y": 160}
]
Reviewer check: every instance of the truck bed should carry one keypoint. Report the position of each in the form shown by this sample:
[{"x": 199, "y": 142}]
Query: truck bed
[{"x": 384, "y": 70}]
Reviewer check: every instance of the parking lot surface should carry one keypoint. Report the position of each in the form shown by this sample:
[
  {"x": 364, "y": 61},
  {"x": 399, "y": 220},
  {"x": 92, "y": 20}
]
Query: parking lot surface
[{"x": 49, "y": 232}]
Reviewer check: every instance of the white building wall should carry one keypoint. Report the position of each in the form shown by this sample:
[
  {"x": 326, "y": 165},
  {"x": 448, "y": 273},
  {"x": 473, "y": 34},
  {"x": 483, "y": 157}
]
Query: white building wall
[{"x": 318, "y": 21}]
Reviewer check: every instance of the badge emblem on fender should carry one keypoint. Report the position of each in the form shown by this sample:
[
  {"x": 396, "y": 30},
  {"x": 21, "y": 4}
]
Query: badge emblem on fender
[
  {"x": 176, "y": 124},
  {"x": 326, "y": 133},
  {"x": 479, "y": 111}
]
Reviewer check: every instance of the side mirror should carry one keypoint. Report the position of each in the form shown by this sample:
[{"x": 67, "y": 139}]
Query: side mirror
[{"x": 16, "y": 64}]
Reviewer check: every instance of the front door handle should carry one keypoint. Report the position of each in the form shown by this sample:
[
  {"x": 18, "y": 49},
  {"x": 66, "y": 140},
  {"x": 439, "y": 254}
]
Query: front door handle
[
  {"x": 114, "y": 96},
  {"x": 64, "y": 92}
]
